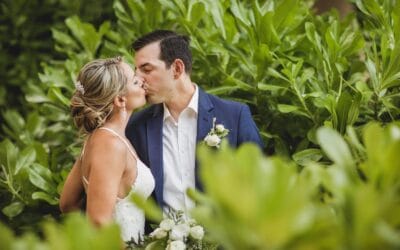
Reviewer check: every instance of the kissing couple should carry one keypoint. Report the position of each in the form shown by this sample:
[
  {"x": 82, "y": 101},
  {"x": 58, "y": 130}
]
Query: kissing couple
[{"x": 152, "y": 151}]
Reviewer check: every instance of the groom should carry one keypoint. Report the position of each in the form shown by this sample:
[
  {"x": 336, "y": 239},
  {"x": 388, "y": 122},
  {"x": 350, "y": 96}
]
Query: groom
[{"x": 165, "y": 134}]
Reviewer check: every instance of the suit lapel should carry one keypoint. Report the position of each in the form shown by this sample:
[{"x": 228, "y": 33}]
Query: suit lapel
[
  {"x": 205, "y": 116},
  {"x": 155, "y": 152},
  {"x": 204, "y": 125}
]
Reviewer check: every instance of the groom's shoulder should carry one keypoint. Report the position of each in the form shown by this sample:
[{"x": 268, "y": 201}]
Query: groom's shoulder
[
  {"x": 219, "y": 102},
  {"x": 143, "y": 115}
]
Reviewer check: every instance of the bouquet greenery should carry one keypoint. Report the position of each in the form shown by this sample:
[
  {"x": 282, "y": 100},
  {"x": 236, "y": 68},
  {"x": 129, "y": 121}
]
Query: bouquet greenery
[{"x": 175, "y": 232}]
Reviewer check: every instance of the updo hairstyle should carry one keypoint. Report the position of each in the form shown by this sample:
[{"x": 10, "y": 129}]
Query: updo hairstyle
[{"x": 98, "y": 83}]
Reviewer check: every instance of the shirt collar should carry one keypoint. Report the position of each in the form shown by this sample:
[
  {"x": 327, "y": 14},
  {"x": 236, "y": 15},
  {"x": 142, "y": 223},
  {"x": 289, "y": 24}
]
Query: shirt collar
[{"x": 193, "y": 104}]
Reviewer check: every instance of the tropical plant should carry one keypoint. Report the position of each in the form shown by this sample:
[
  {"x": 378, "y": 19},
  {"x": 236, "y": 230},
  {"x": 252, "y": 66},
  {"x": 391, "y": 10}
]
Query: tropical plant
[
  {"x": 25, "y": 40},
  {"x": 297, "y": 70},
  {"x": 38, "y": 143},
  {"x": 74, "y": 233},
  {"x": 270, "y": 203}
]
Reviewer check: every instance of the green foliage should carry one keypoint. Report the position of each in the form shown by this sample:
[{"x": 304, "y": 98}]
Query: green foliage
[
  {"x": 269, "y": 203},
  {"x": 25, "y": 39},
  {"x": 366, "y": 192},
  {"x": 382, "y": 23},
  {"x": 298, "y": 71},
  {"x": 39, "y": 142},
  {"x": 32, "y": 172},
  {"x": 263, "y": 203},
  {"x": 74, "y": 233}
]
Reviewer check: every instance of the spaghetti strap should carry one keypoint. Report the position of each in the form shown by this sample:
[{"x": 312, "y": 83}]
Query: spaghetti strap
[
  {"x": 83, "y": 150},
  {"x": 122, "y": 139},
  {"x": 85, "y": 181}
]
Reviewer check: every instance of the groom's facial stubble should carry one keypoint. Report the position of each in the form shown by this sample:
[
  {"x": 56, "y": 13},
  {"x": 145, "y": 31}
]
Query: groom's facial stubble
[{"x": 159, "y": 79}]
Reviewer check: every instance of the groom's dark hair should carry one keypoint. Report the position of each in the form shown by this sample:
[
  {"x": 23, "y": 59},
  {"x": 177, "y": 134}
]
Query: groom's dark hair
[{"x": 172, "y": 46}]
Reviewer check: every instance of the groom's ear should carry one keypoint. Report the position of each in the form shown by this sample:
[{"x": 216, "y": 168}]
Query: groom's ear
[{"x": 178, "y": 68}]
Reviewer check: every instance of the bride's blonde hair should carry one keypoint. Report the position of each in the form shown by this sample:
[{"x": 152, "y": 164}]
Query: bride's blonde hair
[{"x": 98, "y": 83}]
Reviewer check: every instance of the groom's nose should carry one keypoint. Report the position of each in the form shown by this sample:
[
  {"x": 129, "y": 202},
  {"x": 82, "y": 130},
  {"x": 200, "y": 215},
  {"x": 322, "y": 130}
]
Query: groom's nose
[
  {"x": 139, "y": 73},
  {"x": 141, "y": 81}
]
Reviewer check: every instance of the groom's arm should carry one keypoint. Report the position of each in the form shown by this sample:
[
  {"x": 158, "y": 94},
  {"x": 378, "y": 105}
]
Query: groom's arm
[{"x": 248, "y": 131}]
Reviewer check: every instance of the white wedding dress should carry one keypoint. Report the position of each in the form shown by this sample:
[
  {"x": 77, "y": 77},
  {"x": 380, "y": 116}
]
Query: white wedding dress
[{"x": 126, "y": 214}]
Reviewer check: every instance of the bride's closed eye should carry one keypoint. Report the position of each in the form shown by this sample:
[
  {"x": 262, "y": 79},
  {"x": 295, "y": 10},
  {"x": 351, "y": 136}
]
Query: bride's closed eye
[{"x": 137, "y": 81}]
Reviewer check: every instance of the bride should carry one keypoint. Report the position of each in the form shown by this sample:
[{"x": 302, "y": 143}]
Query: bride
[{"x": 108, "y": 169}]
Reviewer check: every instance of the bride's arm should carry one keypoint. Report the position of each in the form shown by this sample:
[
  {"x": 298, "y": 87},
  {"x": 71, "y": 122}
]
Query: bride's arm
[
  {"x": 107, "y": 167},
  {"x": 72, "y": 195}
]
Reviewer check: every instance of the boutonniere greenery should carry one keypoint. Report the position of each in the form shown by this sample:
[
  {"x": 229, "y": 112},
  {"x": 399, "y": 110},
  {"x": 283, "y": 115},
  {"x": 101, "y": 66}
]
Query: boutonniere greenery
[{"x": 217, "y": 132}]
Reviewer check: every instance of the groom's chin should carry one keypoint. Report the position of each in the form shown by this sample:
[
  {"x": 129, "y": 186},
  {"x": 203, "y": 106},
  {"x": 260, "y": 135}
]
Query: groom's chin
[{"x": 152, "y": 100}]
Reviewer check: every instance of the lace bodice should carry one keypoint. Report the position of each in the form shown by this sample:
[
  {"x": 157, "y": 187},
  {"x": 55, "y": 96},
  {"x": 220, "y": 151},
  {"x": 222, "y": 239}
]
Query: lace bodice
[{"x": 126, "y": 214}]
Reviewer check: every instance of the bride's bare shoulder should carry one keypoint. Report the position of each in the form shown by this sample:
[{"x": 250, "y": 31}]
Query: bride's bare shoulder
[{"x": 105, "y": 143}]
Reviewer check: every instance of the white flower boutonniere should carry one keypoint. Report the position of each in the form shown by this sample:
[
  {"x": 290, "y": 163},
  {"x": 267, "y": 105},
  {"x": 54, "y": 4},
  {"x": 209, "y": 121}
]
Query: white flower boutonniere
[{"x": 217, "y": 132}]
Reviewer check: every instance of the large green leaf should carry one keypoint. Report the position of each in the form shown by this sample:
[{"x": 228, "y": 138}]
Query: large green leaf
[
  {"x": 35, "y": 94},
  {"x": 306, "y": 156},
  {"x": 41, "y": 177},
  {"x": 35, "y": 124},
  {"x": 335, "y": 147},
  {"x": 6, "y": 237},
  {"x": 51, "y": 199},
  {"x": 13, "y": 209},
  {"x": 195, "y": 12},
  {"x": 64, "y": 39},
  {"x": 347, "y": 110},
  {"x": 8, "y": 156},
  {"x": 14, "y": 121},
  {"x": 217, "y": 12},
  {"x": 25, "y": 159},
  {"x": 382, "y": 147},
  {"x": 56, "y": 96},
  {"x": 85, "y": 33}
]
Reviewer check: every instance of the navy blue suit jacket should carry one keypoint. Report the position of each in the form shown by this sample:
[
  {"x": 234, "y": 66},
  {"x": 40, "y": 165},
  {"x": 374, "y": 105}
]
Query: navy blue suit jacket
[{"x": 144, "y": 131}]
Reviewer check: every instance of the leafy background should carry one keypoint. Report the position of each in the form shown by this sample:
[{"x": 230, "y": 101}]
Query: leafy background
[{"x": 297, "y": 70}]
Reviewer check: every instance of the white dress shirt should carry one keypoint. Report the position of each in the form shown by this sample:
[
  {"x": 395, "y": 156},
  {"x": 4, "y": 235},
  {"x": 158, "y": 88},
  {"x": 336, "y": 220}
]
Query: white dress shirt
[{"x": 179, "y": 148}]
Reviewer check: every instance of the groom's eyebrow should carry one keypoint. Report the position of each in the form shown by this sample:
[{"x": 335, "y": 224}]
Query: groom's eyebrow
[{"x": 144, "y": 65}]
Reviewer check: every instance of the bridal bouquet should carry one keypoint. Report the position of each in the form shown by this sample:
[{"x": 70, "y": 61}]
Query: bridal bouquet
[{"x": 177, "y": 233}]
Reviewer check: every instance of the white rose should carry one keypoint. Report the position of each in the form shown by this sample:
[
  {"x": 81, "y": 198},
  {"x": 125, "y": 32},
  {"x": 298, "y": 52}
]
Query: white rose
[
  {"x": 167, "y": 224},
  {"x": 197, "y": 232},
  {"x": 191, "y": 221},
  {"x": 176, "y": 245},
  {"x": 220, "y": 128},
  {"x": 159, "y": 233},
  {"x": 212, "y": 140},
  {"x": 179, "y": 232}
]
